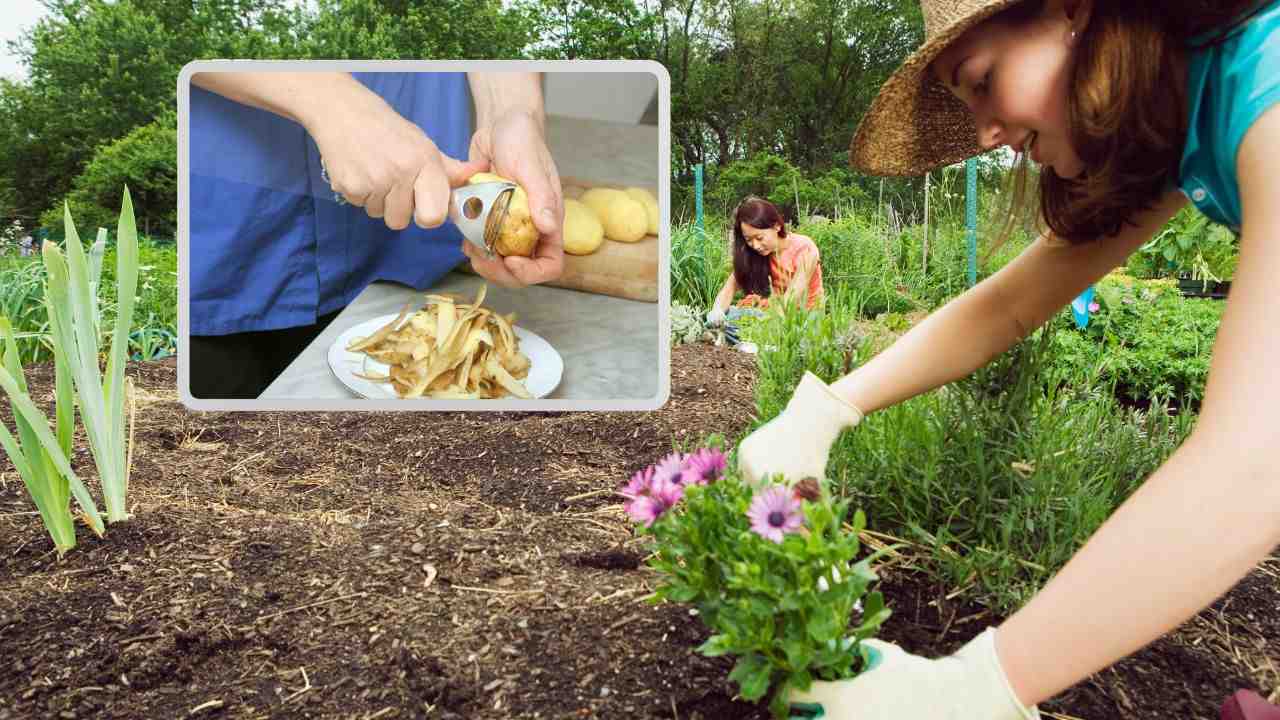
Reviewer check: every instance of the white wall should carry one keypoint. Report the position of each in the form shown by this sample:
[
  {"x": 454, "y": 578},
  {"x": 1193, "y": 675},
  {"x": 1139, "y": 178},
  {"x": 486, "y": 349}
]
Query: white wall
[{"x": 619, "y": 97}]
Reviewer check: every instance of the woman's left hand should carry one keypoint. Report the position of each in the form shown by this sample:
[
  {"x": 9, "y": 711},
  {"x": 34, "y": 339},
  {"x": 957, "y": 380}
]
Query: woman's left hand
[
  {"x": 514, "y": 146},
  {"x": 969, "y": 684}
]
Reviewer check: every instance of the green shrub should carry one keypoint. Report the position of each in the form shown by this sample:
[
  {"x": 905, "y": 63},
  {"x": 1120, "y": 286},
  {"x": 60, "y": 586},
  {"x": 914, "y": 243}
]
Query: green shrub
[
  {"x": 146, "y": 161},
  {"x": 1146, "y": 341}
]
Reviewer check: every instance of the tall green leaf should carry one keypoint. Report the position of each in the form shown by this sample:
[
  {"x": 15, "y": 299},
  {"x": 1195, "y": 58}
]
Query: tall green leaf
[
  {"x": 73, "y": 306},
  {"x": 40, "y": 458}
]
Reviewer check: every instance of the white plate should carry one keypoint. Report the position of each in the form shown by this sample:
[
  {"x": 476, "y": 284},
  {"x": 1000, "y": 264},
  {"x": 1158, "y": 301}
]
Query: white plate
[{"x": 546, "y": 365}]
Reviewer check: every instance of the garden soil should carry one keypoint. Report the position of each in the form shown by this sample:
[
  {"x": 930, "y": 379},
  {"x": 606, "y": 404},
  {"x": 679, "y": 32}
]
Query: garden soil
[{"x": 447, "y": 565}]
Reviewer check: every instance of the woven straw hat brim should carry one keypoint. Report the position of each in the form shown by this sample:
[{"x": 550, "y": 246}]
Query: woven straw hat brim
[{"x": 915, "y": 125}]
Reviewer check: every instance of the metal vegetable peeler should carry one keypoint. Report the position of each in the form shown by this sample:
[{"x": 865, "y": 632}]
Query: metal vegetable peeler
[{"x": 479, "y": 211}]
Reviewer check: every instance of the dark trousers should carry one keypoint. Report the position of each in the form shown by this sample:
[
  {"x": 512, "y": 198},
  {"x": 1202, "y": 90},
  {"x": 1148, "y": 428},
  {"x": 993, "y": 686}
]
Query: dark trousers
[{"x": 242, "y": 365}]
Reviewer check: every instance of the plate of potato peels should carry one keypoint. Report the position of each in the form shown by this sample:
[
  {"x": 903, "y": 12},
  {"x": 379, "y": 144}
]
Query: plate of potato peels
[{"x": 446, "y": 349}]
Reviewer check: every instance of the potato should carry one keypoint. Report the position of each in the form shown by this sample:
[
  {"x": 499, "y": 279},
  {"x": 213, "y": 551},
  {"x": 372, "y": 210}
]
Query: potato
[
  {"x": 583, "y": 233},
  {"x": 624, "y": 219},
  {"x": 650, "y": 203},
  {"x": 518, "y": 235}
]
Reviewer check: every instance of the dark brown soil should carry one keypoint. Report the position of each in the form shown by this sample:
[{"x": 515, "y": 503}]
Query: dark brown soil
[{"x": 363, "y": 565}]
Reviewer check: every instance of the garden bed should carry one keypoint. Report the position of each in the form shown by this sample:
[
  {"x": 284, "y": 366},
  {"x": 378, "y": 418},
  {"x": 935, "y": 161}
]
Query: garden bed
[{"x": 365, "y": 565}]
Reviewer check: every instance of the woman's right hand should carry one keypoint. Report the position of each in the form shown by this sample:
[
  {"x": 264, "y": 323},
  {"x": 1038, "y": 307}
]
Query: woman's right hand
[
  {"x": 715, "y": 316},
  {"x": 797, "y": 443},
  {"x": 378, "y": 160}
]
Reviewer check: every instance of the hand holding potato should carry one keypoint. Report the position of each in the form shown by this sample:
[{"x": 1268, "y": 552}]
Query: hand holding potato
[{"x": 513, "y": 147}]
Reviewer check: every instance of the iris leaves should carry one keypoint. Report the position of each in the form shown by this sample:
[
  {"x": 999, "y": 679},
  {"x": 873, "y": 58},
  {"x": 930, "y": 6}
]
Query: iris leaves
[{"x": 40, "y": 456}]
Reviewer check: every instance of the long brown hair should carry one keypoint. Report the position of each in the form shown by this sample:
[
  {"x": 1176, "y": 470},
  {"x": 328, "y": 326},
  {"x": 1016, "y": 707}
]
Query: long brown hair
[
  {"x": 750, "y": 268},
  {"x": 1127, "y": 108}
]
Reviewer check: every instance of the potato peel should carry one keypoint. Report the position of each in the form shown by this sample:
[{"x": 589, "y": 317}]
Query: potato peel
[{"x": 449, "y": 349}]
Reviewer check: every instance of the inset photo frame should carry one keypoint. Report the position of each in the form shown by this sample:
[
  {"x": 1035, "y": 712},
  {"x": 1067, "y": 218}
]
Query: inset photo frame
[{"x": 424, "y": 235}]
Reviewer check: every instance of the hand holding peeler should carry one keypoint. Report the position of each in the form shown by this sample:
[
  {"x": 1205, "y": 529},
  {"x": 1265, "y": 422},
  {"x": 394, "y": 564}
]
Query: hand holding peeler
[{"x": 479, "y": 211}]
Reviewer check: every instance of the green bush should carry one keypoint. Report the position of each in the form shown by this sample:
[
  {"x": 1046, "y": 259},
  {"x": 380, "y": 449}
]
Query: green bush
[
  {"x": 1146, "y": 341},
  {"x": 145, "y": 160}
]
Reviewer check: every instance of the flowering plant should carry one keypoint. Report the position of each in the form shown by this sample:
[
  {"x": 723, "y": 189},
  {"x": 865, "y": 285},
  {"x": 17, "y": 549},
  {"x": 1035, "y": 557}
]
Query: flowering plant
[{"x": 770, "y": 570}]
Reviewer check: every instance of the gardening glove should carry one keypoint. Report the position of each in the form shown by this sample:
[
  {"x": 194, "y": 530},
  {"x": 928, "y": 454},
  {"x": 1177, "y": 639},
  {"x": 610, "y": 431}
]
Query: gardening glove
[
  {"x": 798, "y": 441},
  {"x": 969, "y": 685},
  {"x": 715, "y": 316}
]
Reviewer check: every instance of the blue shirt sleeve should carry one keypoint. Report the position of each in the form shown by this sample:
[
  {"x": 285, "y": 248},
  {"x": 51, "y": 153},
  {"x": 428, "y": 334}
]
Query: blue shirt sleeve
[{"x": 1231, "y": 83}]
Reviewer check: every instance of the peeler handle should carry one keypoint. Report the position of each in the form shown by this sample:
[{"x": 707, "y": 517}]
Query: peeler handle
[{"x": 469, "y": 208}]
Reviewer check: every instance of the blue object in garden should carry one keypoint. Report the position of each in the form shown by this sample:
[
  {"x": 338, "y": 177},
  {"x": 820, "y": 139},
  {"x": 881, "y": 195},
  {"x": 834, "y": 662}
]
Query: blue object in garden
[
  {"x": 155, "y": 343},
  {"x": 1080, "y": 308},
  {"x": 971, "y": 216},
  {"x": 697, "y": 192}
]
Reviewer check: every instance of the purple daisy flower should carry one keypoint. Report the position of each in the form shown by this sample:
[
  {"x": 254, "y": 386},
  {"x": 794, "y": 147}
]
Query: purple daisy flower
[
  {"x": 669, "y": 467},
  {"x": 703, "y": 466},
  {"x": 639, "y": 484},
  {"x": 775, "y": 512},
  {"x": 664, "y": 493},
  {"x": 1094, "y": 307}
]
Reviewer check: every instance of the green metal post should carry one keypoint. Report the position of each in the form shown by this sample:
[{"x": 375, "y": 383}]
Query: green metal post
[
  {"x": 971, "y": 216},
  {"x": 698, "y": 197}
]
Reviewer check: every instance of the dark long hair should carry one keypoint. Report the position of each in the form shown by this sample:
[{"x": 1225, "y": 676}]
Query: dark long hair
[
  {"x": 1128, "y": 110},
  {"x": 750, "y": 268}
]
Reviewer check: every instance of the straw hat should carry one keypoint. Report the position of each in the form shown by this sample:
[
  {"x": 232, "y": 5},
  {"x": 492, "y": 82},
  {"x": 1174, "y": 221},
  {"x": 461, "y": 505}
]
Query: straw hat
[{"x": 915, "y": 124}]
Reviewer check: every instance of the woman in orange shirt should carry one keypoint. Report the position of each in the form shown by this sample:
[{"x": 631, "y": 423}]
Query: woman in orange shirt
[{"x": 767, "y": 261}]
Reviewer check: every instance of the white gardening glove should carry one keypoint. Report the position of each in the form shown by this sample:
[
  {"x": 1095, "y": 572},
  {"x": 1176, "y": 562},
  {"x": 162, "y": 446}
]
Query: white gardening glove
[
  {"x": 798, "y": 441},
  {"x": 969, "y": 685},
  {"x": 715, "y": 316}
]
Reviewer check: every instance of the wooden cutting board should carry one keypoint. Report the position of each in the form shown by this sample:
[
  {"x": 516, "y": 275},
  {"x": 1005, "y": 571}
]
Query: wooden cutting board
[{"x": 618, "y": 269}]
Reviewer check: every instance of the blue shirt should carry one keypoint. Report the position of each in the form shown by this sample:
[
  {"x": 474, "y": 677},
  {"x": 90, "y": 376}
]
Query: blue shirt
[
  {"x": 270, "y": 246},
  {"x": 1230, "y": 85}
]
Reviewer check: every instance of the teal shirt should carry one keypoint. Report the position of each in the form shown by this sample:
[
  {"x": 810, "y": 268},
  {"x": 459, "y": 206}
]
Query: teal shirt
[{"x": 1230, "y": 84}]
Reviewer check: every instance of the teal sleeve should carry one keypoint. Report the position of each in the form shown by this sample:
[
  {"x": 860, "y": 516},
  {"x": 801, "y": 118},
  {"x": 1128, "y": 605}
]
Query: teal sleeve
[{"x": 1255, "y": 70}]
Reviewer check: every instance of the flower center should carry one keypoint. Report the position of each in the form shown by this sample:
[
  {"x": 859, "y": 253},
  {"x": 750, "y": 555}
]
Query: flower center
[{"x": 777, "y": 518}]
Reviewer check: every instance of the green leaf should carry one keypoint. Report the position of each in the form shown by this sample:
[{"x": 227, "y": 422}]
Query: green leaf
[
  {"x": 752, "y": 673},
  {"x": 821, "y": 626},
  {"x": 682, "y": 593},
  {"x": 39, "y": 426},
  {"x": 798, "y": 653},
  {"x": 715, "y": 646},
  {"x": 779, "y": 707}
]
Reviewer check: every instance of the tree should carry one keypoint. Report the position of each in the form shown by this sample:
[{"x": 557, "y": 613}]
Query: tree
[
  {"x": 593, "y": 29},
  {"x": 98, "y": 69},
  {"x": 402, "y": 30}
]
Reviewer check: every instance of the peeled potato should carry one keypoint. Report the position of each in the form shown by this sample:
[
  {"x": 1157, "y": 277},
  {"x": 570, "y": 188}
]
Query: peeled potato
[
  {"x": 624, "y": 218},
  {"x": 583, "y": 233},
  {"x": 518, "y": 235},
  {"x": 650, "y": 203}
]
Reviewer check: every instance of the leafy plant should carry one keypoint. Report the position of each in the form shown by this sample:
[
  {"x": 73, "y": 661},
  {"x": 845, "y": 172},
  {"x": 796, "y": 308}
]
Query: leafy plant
[
  {"x": 40, "y": 456},
  {"x": 687, "y": 324},
  {"x": 74, "y": 315},
  {"x": 1145, "y": 342},
  {"x": 699, "y": 266},
  {"x": 772, "y": 571},
  {"x": 1189, "y": 244}
]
